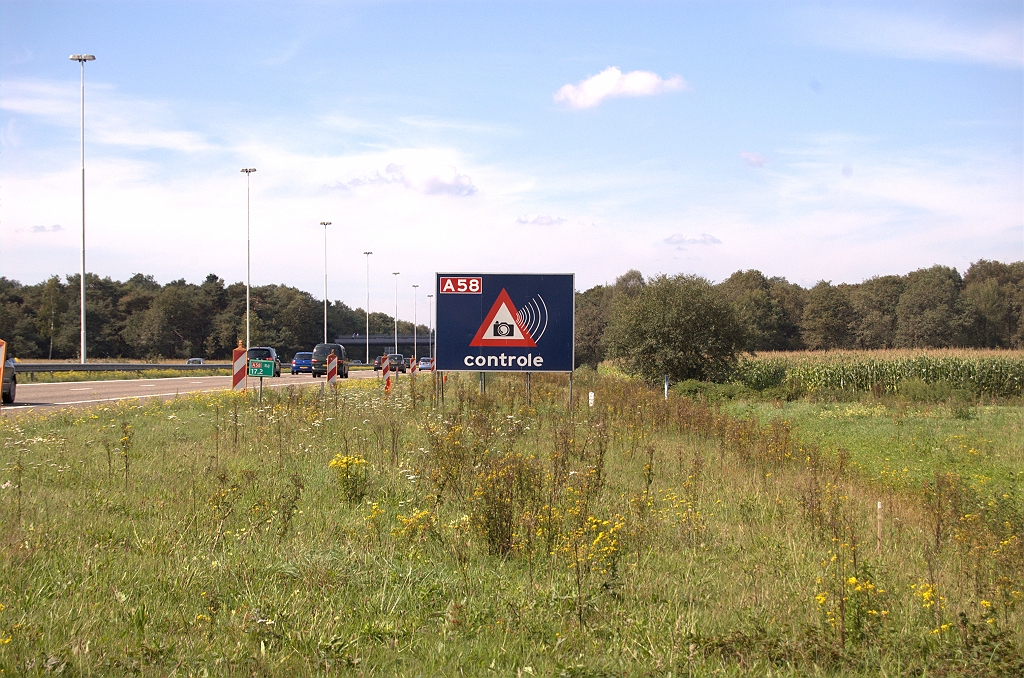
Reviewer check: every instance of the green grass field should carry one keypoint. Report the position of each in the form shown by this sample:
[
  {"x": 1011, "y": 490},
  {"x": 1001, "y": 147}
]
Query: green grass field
[
  {"x": 54, "y": 377},
  {"x": 904, "y": 445},
  {"x": 342, "y": 531}
]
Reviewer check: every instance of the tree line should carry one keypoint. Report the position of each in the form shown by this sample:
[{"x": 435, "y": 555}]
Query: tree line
[
  {"x": 690, "y": 328},
  {"x": 928, "y": 308},
  {"x": 140, "y": 318}
]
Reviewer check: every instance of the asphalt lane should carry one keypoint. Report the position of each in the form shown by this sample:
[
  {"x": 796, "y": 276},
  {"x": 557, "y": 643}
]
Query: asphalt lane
[{"x": 40, "y": 397}]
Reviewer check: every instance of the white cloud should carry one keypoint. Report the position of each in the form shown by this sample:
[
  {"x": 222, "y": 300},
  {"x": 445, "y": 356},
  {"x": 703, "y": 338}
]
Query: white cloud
[
  {"x": 444, "y": 180},
  {"x": 611, "y": 82},
  {"x": 540, "y": 220},
  {"x": 901, "y": 34},
  {"x": 448, "y": 124},
  {"x": 899, "y": 211},
  {"x": 109, "y": 118},
  {"x": 428, "y": 180},
  {"x": 753, "y": 159},
  {"x": 681, "y": 241}
]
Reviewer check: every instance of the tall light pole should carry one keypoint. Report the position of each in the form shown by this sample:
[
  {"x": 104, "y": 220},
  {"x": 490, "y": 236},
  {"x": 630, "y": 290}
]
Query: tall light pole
[
  {"x": 415, "y": 346},
  {"x": 325, "y": 224},
  {"x": 367, "y": 306},
  {"x": 248, "y": 254},
  {"x": 396, "y": 310},
  {"x": 430, "y": 325},
  {"x": 82, "y": 58}
]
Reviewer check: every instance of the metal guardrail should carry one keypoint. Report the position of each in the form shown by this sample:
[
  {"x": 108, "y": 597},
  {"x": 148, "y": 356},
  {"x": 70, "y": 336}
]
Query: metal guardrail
[{"x": 26, "y": 368}]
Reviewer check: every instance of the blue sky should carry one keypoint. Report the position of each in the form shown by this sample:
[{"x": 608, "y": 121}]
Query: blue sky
[{"x": 815, "y": 140}]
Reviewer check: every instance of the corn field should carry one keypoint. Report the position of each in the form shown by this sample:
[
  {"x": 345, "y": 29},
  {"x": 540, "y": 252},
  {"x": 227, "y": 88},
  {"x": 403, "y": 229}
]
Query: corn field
[{"x": 992, "y": 373}]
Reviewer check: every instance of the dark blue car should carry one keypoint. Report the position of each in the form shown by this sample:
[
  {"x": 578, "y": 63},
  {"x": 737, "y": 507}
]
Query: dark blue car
[{"x": 302, "y": 362}]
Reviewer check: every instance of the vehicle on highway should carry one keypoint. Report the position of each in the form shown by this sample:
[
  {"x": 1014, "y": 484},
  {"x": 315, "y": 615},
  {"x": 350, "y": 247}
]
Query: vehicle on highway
[
  {"x": 320, "y": 353},
  {"x": 194, "y": 361},
  {"x": 355, "y": 361},
  {"x": 10, "y": 385},
  {"x": 399, "y": 363},
  {"x": 302, "y": 362},
  {"x": 424, "y": 364},
  {"x": 265, "y": 353}
]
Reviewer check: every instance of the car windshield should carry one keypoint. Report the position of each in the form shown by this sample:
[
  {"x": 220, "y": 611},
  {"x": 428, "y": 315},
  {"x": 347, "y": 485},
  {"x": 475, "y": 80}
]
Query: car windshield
[
  {"x": 395, "y": 356},
  {"x": 303, "y": 356},
  {"x": 323, "y": 350},
  {"x": 260, "y": 354}
]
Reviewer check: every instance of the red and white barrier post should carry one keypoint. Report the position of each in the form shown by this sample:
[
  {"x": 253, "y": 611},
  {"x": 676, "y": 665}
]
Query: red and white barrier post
[
  {"x": 3, "y": 359},
  {"x": 385, "y": 368},
  {"x": 332, "y": 368},
  {"x": 239, "y": 368}
]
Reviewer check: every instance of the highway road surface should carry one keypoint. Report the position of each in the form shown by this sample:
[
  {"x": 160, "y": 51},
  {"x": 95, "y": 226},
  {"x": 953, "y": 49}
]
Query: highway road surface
[{"x": 40, "y": 397}]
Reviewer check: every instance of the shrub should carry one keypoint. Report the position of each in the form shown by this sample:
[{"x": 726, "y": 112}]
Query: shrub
[
  {"x": 352, "y": 476},
  {"x": 680, "y": 326}
]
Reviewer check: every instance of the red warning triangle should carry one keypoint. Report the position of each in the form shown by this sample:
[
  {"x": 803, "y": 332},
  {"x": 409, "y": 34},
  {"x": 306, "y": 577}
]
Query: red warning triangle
[{"x": 501, "y": 327}]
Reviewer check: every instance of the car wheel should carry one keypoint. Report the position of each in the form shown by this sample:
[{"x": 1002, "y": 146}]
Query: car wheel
[
  {"x": 345, "y": 376},
  {"x": 8, "y": 398}
]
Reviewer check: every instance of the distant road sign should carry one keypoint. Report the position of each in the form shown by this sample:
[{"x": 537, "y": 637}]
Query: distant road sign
[
  {"x": 505, "y": 322},
  {"x": 261, "y": 368}
]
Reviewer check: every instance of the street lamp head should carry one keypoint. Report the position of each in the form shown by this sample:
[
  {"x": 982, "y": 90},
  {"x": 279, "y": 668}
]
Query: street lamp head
[
  {"x": 325, "y": 224},
  {"x": 82, "y": 57},
  {"x": 248, "y": 170},
  {"x": 367, "y": 253},
  {"x": 394, "y": 273},
  {"x": 415, "y": 285}
]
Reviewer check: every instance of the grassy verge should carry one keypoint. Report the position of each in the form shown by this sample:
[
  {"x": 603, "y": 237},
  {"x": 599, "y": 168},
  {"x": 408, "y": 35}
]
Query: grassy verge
[
  {"x": 346, "y": 531},
  {"x": 54, "y": 377},
  {"x": 904, "y": 445}
]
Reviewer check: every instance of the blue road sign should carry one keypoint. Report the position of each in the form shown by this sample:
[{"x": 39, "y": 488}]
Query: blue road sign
[{"x": 505, "y": 322}]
